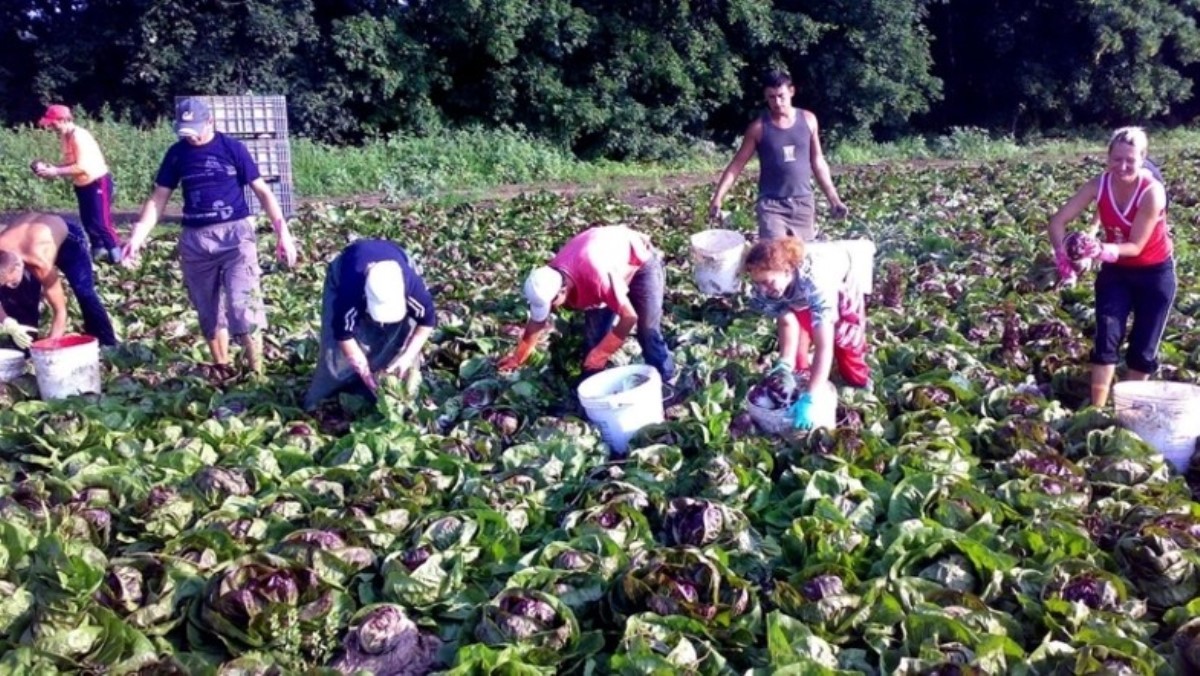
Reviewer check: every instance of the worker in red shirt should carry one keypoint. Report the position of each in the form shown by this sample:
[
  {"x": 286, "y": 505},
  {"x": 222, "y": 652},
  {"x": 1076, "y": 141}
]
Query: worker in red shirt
[
  {"x": 609, "y": 272},
  {"x": 84, "y": 164}
]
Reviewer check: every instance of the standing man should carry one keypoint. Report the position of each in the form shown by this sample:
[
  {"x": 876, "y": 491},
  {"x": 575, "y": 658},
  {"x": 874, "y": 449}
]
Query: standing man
[
  {"x": 84, "y": 164},
  {"x": 609, "y": 272},
  {"x": 217, "y": 246},
  {"x": 44, "y": 245},
  {"x": 789, "y": 157}
]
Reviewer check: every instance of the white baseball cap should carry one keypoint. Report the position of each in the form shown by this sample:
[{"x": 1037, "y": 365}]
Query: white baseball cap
[
  {"x": 385, "y": 292},
  {"x": 541, "y": 287}
]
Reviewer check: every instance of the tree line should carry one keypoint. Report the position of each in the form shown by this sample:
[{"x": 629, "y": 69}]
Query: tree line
[{"x": 612, "y": 78}]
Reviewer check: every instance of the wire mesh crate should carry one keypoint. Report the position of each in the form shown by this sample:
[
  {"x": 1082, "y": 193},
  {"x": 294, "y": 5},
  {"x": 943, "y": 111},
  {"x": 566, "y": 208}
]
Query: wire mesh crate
[
  {"x": 283, "y": 194},
  {"x": 273, "y": 157},
  {"x": 248, "y": 116}
]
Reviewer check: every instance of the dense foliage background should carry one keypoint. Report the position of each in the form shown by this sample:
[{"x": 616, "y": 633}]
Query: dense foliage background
[{"x": 614, "y": 78}]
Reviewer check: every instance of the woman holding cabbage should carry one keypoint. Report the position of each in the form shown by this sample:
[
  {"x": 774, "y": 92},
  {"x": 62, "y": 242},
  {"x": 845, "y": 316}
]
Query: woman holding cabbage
[
  {"x": 1138, "y": 272},
  {"x": 812, "y": 286}
]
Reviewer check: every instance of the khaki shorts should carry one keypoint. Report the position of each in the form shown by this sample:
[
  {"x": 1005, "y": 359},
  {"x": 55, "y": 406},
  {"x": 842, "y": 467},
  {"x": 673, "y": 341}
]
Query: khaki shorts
[
  {"x": 221, "y": 273},
  {"x": 790, "y": 217}
]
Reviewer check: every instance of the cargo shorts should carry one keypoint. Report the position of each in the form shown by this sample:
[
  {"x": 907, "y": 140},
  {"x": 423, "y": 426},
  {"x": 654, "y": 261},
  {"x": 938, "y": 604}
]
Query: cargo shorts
[
  {"x": 221, "y": 273},
  {"x": 789, "y": 217}
]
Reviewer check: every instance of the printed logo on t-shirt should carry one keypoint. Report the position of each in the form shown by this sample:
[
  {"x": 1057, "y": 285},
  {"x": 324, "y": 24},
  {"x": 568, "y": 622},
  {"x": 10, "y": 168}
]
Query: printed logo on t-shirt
[
  {"x": 789, "y": 153},
  {"x": 224, "y": 210}
]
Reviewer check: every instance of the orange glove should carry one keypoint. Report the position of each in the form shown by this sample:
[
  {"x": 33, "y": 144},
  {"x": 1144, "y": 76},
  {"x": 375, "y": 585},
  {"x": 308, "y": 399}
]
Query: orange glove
[
  {"x": 598, "y": 358},
  {"x": 518, "y": 357}
]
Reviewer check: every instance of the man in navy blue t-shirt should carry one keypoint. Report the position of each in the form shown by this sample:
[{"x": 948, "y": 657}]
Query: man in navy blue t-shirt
[
  {"x": 217, "y": 249},
  {"x": 376, "y": 315}
]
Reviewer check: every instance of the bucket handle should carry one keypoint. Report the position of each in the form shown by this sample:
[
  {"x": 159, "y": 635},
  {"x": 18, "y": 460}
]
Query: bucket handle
[{"x": 1141, "y": 407}]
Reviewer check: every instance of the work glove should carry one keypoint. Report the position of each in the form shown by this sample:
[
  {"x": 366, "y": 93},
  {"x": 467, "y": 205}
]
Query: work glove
[
  {"x": 518, "y": 356},
  {"x": 1066, "y": 269},
  {"x": 1092, "y": 248},
  {"x": 598, "y": 358},
  {"x": 19, "y": 333},
  {"x": 786, "y": 373},
  {"x": 401, "y": 366},
  {"x": 802, "y": 412}
]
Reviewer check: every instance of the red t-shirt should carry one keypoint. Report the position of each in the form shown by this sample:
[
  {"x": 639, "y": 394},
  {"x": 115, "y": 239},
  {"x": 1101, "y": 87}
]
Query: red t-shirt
[
  {"x": 601, "y": 261},
  {"x": 1118, "y": 223}
]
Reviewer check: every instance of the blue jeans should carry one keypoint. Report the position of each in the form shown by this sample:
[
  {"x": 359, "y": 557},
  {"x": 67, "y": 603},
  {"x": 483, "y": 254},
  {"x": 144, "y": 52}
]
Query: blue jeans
[
  {"x": 646, "y": 291},
  {"x": 75, "y": 262}
]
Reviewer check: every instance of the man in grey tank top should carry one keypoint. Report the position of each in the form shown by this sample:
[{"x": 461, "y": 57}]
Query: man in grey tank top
[{"x": 790, "y": 157}]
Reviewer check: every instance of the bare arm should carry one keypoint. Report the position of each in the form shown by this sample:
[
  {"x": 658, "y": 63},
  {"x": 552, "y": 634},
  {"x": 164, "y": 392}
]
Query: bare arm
[
  {"x": 267, "y": 199},
  {"x": 820, "y": 166},
  {"x": 822, "y": 356},
  {"x": 353, "y": 353},
  {"x": 148, "y": 218},
  {"x": 1153, "y": 203},
  {"x": 1070, "y": 211},
  {"x": 413, "y": 348},
  {"x": 52, "y": 291},
  {"x": 745, "y": 152}
]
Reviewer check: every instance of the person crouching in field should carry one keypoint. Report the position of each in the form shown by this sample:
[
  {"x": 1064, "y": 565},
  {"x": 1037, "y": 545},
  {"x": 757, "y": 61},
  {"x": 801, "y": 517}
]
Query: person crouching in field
[
  {"x": 376, "y": 315},
  {"x": 609, "y": 272},
  {"x": 217, "y": 247},
  {"x": 1138, "y": 272},
  {"x": 45, "y": 245},
  {"x": 811, "y": 286},
  {"x": 83, "y": 163}
]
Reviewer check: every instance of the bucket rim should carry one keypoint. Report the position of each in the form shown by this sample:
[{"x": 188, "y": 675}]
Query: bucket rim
[
  {"x": 1153, "y": 389},
  {"x": 62, "y": 342},
  {"x": 8, "y": 354},
  {"x": 590, "y": 400},
  {"x": 697, "y": 240}
]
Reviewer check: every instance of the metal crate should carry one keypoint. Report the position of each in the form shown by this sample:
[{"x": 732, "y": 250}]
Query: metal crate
[
  {"x": 274, "y": 158},
  {"x": 283, "y": 194},
  {"x": 248, "y": 116}
]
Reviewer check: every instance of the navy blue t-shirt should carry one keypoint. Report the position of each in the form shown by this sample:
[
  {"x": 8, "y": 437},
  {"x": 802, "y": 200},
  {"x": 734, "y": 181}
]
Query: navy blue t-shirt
[
  {"x": 350, "y": 292},
  {"x": 213, "y": 177}
]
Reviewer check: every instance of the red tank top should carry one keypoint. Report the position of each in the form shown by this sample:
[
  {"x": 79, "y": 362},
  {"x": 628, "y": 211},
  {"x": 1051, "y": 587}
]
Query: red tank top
[{"x": 1118, "y": 223}]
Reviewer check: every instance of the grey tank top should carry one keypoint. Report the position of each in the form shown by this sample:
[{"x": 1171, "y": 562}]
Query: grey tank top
[{"x": 785, "y": 169}]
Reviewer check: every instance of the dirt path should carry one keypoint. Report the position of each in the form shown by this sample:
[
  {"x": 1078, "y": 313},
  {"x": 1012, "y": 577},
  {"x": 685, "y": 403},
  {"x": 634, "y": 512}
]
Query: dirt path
[{"x": 639, "y": 192}]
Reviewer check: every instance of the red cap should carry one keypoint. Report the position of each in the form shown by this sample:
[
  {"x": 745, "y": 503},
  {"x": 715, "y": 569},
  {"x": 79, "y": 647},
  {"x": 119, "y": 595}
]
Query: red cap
[{"x": 55, "y": 113}]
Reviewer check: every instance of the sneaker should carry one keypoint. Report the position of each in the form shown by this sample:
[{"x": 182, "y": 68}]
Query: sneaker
[
  {"x": 115, "y": 254},
  {"x": 99, "y": 254}
]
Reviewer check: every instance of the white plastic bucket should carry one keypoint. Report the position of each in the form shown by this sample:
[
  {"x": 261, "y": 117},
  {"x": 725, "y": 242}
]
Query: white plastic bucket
[
  {"x": 778, "y": 421},
  {"x": 717, "y": 257},
  {"x": 1165, "y": 414},
  {"x": 862, "y": 259},
  {"x": 12, "y": 365},
  {"x": 66, "y": 366},
  {"x": 619, "y": 410}
]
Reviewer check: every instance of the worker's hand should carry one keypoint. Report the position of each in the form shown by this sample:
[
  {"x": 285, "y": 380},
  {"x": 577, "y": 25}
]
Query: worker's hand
[
  {"x": 285, "y": 244},
  {"x": 598, "y": 358},
  {"x": 19, "y": 333},
  {"x": 838, "y": 210}
]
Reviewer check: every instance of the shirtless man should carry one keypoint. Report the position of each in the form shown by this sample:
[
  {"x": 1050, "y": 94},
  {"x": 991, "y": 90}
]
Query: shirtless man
[{"x": 47, "y": 246}]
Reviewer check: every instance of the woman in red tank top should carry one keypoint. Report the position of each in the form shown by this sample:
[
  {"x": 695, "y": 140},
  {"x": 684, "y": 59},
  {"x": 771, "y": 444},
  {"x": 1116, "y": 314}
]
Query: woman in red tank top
[{"x": 1138, "y": 275}]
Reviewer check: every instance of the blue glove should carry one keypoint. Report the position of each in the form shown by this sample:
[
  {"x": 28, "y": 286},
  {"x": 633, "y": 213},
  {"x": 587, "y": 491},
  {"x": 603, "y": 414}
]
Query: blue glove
[{"x": 802, "y": 412}]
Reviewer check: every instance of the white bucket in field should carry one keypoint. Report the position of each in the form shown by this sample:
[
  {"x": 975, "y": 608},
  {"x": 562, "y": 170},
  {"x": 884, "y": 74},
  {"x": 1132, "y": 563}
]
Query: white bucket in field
[
  {"x": 717, "y": 257},
  {"x": 620, "y": 401},
  {"x": 1165, "y": 414},
  {"x": 778, "y": 421},
  {"x": 66, "y": 366},
  {"x": 12, "y": 365},
  {"x": 862, "y": 258}
]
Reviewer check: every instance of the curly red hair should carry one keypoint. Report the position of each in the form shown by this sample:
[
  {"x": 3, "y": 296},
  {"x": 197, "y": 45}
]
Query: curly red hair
[{"x": 775, "y": 255}]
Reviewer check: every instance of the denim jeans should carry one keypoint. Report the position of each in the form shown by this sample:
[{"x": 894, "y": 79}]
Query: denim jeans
[
  {"x": 75, "y": 261},
  {"x": 646, "y": 291}
]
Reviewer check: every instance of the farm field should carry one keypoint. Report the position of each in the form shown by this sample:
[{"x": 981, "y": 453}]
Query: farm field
[{"x": 967, "y": 516}]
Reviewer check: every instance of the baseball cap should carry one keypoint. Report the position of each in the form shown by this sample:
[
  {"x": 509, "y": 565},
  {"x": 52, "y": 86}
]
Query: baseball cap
[
  {"x": 190, "y": 116},
  {"x": 385, "y": 292},
  {"x": 54, "y": 113},
  {"x": 541, "y": 287}
]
